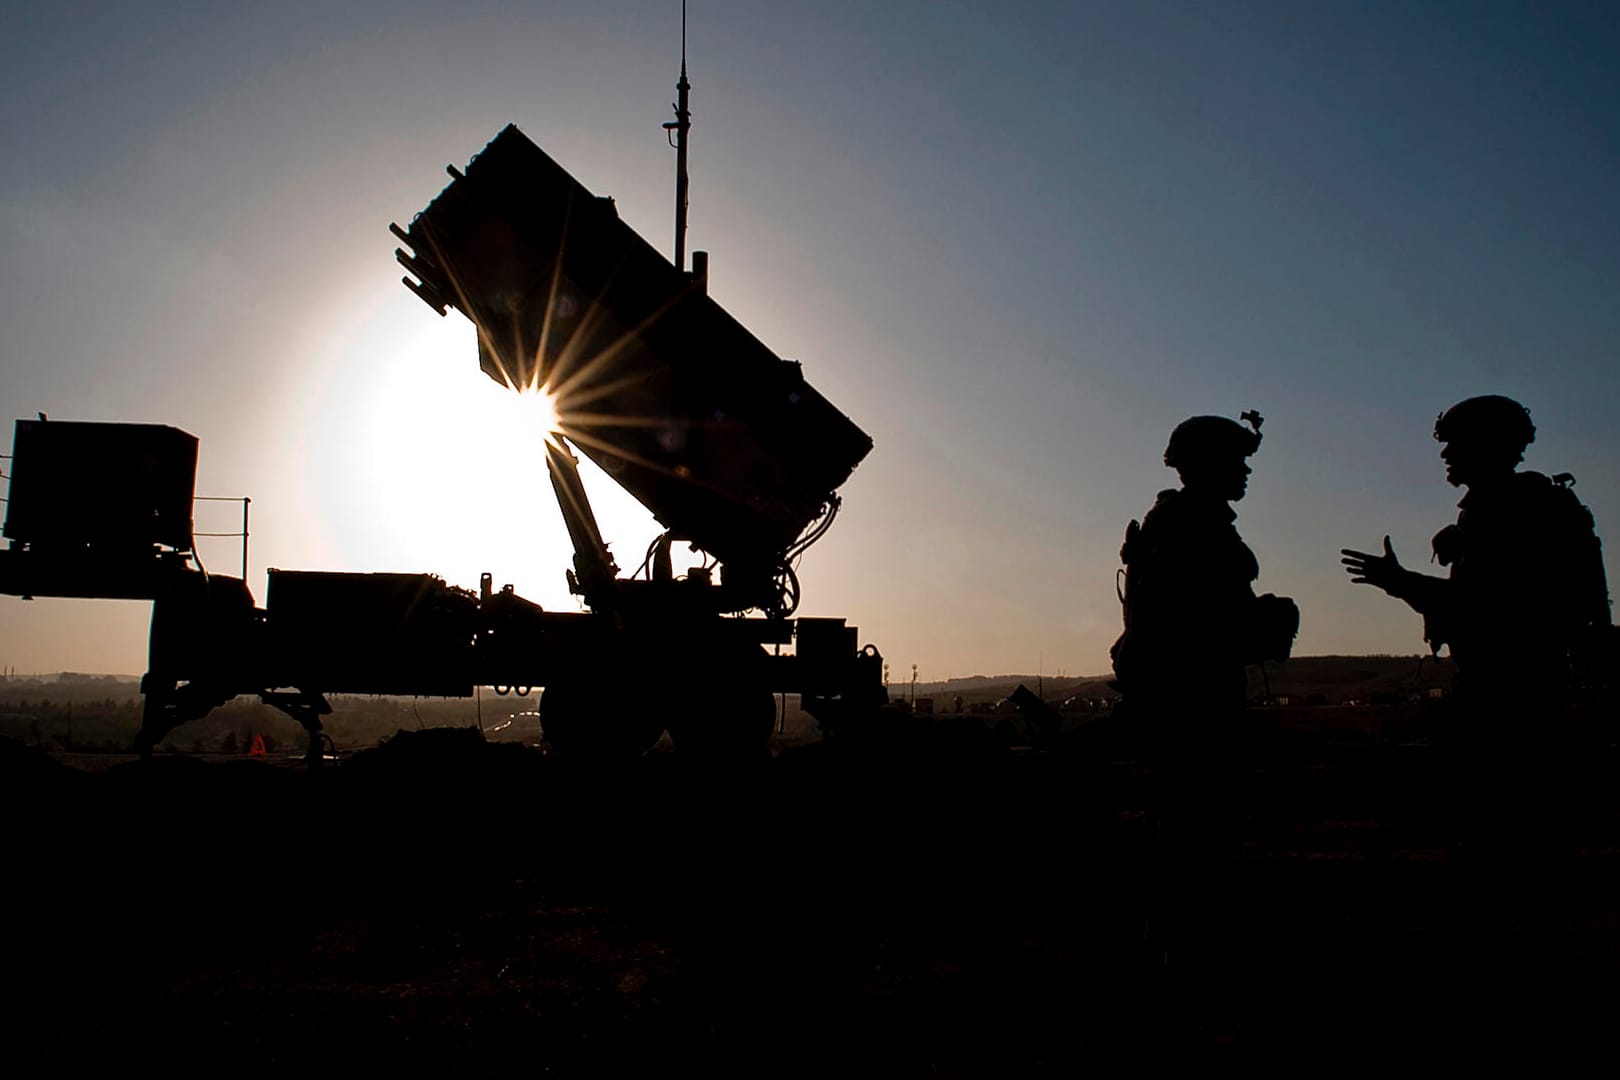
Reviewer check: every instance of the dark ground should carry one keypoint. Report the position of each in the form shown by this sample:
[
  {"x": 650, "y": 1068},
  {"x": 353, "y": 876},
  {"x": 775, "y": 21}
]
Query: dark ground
[{"x": 906, "y": 906}]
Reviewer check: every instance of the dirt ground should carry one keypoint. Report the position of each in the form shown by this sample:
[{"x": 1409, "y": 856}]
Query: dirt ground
[{"x": 895, "y": 905}]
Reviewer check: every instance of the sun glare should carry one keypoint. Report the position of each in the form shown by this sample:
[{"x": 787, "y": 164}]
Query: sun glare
[{"x": 539, "y": 407}]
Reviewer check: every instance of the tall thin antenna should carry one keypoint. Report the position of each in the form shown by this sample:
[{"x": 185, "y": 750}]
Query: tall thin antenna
[{"x": 679, "y": 127}]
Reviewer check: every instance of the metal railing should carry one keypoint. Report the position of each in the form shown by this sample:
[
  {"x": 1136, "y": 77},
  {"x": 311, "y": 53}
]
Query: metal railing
[
  {"x": 244, "y": 500},
  {"x": 243, "y": 532}
]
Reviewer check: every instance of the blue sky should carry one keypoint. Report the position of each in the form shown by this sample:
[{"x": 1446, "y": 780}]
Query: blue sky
[{"x": 1016, "y": 243}]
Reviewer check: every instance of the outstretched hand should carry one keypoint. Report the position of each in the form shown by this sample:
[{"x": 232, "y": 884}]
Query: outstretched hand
[{"x": 1384, "y": 571}]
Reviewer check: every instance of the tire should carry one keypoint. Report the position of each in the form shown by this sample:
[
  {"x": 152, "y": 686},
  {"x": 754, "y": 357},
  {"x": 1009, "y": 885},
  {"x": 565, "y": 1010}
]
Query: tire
[
  {"x": 735, "y": 722},
  {"x": 581, "y": 721}
]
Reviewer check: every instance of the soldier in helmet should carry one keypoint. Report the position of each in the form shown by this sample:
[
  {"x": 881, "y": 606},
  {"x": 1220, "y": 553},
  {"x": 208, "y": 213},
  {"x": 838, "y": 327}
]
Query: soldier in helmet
[
  {"x": 1192, "y": 619},
  {"x": 1192, "y": 625},
  {"x": 1525, "y": 592}
]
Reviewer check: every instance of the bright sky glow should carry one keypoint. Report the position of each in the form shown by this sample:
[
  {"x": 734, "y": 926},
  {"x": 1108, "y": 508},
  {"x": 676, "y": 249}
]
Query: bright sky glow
[
  {"x": 1015, "y": 243},
  {"x": 539, "y": 405}
]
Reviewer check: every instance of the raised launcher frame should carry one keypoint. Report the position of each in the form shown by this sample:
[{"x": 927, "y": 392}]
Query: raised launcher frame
[{"x": 726, "y": 443}]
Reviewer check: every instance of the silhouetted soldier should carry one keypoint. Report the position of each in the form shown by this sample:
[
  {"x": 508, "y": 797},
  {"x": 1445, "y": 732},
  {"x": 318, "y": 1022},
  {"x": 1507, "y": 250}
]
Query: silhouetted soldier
[
  {"x": 1192, "y": 625},
  {"x": 1526, "y": 591},
  {"x": 1192, "y": 619}
]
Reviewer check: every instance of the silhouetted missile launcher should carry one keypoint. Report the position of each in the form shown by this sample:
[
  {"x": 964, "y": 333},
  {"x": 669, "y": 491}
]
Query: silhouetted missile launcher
[{"x": 724, "y": 441}]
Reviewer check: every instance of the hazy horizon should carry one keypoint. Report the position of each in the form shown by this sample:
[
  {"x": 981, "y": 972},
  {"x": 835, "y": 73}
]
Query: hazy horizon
[{"x": 987, "y": 678}]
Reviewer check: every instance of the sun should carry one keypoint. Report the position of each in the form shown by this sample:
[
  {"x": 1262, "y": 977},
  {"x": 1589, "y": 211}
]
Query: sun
[
  {"x": 535, "y": 406},
  {"x": 538, "y": 405}
]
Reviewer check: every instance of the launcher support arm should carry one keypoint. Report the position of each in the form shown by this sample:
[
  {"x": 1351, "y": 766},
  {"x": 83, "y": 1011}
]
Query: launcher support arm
[{"x": 594, "y": 570}]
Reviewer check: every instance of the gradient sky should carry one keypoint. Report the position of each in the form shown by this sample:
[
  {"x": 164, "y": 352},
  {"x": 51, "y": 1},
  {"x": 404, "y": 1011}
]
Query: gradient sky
[{"x": 1017, "y": 243}]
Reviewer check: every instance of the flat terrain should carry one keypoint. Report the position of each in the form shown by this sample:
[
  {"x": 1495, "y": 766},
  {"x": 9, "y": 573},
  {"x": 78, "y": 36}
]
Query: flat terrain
[{"x": 908, "y": 903}]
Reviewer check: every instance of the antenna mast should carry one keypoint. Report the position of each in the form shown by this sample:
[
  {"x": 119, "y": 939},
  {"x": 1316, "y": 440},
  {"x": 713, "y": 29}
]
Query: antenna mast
[{"x": 679, "y": 127}]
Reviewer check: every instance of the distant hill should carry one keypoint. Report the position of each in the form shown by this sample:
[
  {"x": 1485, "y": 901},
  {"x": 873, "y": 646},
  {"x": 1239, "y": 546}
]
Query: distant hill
[
  {"x": 65, "y": 685},
  {"x": 105, "y": 709},
  {"x": 983, "y": 682},
  {"x": 1335, "y": 678}
]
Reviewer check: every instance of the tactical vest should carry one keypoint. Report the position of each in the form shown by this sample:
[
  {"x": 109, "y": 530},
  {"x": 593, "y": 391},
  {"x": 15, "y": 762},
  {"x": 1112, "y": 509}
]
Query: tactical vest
[
  {"x": 1526, "y": 574},
  {"x": 1186, "y": 591}
]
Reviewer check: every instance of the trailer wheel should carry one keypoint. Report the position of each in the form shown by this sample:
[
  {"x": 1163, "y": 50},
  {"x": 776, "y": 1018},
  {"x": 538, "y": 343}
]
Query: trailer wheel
[
  {"x": 579, "y": 720},
  {"x": 734, "y": 722}
]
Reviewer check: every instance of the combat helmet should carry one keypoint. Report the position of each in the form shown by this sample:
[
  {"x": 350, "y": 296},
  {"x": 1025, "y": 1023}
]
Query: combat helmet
[
  {"x": 1488, "y": 420},
  {"x": 1200, "y": 438}
]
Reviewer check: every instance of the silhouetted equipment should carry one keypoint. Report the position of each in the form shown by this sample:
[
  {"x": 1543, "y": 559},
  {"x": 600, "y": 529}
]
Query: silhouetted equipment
[
  {"x": 111, "y": 486},
  {"x": 1273, "y": 628},
  {"x": 721, "y": 439},
  {"x": 1042, "y": 719},
  {"x": 677, "y": 129},
  {"x": 725, "y": 442},
  {"x": 362, "y": 632},
  {"x": 97, "y": 509}
]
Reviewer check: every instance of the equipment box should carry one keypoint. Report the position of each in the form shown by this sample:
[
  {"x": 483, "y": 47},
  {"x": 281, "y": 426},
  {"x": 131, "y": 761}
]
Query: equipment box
[
  {"x": 370, "y": 633},
  {"x": 111, "y": 487}
]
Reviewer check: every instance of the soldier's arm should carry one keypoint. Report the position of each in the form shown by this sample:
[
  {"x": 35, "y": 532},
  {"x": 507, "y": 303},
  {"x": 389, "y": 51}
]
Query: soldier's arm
[{"x": 1424, "y": 594}]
